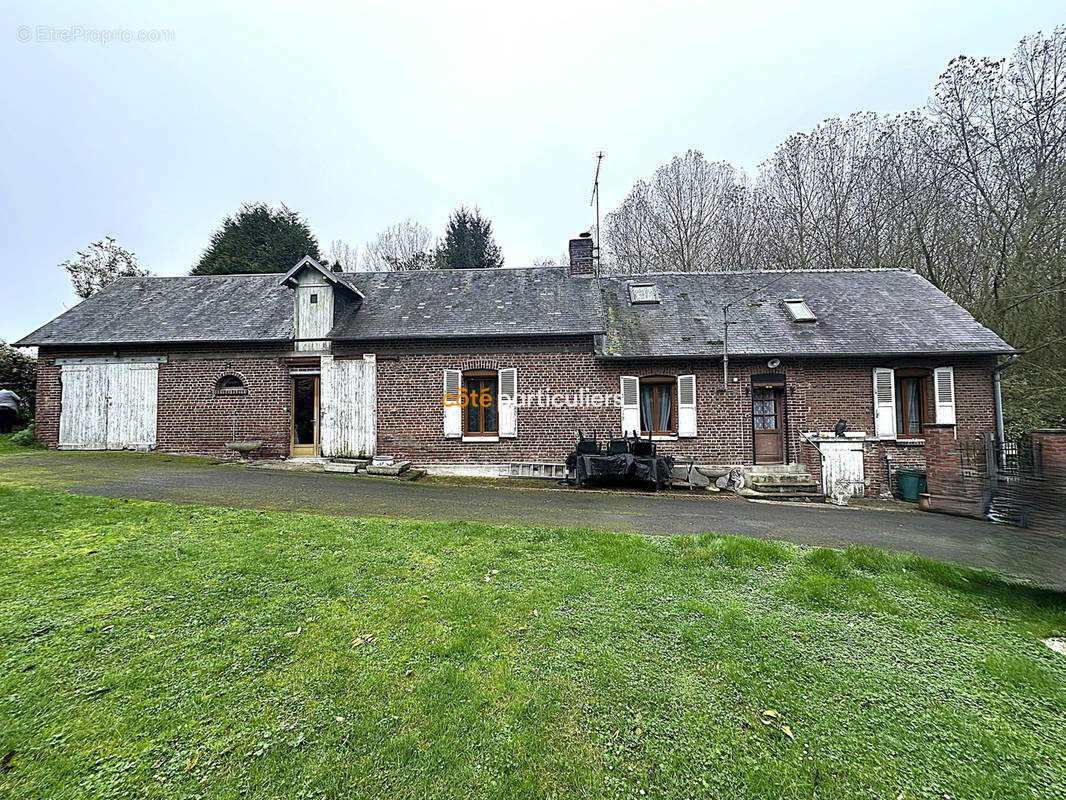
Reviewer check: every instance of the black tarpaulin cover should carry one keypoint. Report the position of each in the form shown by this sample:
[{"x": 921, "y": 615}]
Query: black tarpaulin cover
[{"x": 651, "y": 469}]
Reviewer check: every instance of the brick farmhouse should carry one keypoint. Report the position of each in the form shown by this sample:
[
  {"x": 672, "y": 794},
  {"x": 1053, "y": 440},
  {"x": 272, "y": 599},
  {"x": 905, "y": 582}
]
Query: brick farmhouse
[{"x": 475, "y": 370}]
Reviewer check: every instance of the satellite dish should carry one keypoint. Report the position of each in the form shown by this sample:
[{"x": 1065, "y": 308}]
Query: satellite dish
[{"x": 774, "y": 363}]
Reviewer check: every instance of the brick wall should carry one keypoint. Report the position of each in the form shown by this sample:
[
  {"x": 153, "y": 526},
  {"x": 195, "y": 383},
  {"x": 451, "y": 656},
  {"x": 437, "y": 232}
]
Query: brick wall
[
  {"x": 1035, "y": 499},
  {"x": 951, "y": 489},
  {"x": 1050, "y": 514},
  {"x": 192, "y": 417},
  {"x": 818, "y": 392}
]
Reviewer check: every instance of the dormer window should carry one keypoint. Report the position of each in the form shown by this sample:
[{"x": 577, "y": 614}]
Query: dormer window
[
  {"x": 799, "y": 310},
  {"x": 643, "y": 293}
]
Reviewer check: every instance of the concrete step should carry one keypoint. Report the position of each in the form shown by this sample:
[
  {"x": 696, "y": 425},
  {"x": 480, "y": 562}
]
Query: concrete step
[
  {"x": 782, "y": 479},
  {"x": 388, "y": 470},
  {"x": 791, "y": 488},
  {"x": 775, "y": 469},
  {"x": 336, "y": 467},
  {"x": 806, "y": 496}
]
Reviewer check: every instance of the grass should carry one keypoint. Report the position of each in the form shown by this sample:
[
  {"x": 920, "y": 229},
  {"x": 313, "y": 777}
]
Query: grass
[
  {"x": 151, "y": 650},
  {"x": 8, "y": 447}
]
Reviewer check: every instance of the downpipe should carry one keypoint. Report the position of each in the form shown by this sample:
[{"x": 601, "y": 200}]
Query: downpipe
[{"x": 998, "y": 392}]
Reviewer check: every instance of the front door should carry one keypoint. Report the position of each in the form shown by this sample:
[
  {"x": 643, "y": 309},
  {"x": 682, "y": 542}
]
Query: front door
[
  {"x": 304, "y": 416},
  {"x": 767, "y": 417}
]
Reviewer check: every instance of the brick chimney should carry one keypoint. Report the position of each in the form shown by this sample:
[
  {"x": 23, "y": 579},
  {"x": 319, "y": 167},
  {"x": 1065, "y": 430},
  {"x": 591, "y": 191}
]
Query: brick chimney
[{"x": 581, "y": 261}]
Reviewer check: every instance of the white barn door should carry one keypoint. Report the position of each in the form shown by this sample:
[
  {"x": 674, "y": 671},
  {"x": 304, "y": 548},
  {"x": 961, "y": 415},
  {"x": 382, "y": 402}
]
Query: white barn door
[
  {"x": 843, "y": 459},
  {"x": 131, "y": 405},
  {"x": 349, "y": 405},
  {"x": 83, "y": 419},
  {"x": 109, "y": 406}
]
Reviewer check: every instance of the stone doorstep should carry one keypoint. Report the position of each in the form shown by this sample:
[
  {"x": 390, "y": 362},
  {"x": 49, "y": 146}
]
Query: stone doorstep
[
  {"x": 350, "y": 469},
  {"x": 812, "y": 496},
  {"x": 806, "y": 487},
  {"x": 782, "y": 479},
  {"x": 391, "y": 470}
]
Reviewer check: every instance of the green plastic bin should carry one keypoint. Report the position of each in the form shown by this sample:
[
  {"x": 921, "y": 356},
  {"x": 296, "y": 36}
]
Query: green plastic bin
[{"x": 911, "y": 483}]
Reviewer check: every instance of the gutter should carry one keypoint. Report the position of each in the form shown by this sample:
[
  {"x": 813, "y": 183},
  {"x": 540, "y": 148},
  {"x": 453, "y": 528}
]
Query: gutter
[{"x": 833, "y": 355}]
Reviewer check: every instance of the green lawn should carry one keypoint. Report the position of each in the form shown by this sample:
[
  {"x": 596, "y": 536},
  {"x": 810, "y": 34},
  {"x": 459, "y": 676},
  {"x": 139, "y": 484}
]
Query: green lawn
[
  {"x": 7, "y": 446},
  {"x": 150, "y": 650}
]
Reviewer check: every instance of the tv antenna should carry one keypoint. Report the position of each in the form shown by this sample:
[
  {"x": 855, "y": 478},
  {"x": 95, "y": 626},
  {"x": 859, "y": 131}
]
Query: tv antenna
[{"x": 595, "y": 200}]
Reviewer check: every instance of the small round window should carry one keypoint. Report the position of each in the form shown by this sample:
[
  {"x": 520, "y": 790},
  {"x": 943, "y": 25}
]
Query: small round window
[{"x": 230, "y": 384}]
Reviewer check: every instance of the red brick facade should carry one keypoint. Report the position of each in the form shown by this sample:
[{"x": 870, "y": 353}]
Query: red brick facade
[{"x": 194, "y": 418}]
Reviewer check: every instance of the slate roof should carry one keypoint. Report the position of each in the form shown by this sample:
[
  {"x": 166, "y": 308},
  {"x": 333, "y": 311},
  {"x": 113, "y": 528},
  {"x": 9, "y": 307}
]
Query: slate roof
[
  {"x": 470, "y": 302},
  {"x": 860, "y": 312},
  {"x": 430, "y": 303},
  {"x": 206, "y": 308}
]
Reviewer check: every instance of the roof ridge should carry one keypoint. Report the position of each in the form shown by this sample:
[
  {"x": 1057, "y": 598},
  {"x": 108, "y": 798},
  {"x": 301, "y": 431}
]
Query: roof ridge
[
  {"x": 761, "y": 272},
  {"x": 459, "y": 269}
]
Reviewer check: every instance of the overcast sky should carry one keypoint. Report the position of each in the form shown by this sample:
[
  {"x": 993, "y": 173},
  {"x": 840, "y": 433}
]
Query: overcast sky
[{"x": 360, "y": 115}]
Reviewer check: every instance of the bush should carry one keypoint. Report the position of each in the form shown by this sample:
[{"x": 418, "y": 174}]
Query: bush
[
  {"x": 26, "y": 437},
  {"x": 18, "y": 372}
]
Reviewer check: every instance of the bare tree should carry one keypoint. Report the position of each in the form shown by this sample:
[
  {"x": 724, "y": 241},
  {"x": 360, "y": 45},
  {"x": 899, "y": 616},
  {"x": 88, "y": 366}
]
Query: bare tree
[
  {"x": 100, "y": 264},
  {"x": 672, "y": 222},
  {"x": 343, "y": 256},
  {"x": 405, "y": 246},
  {"x": 970, "y": 191}
]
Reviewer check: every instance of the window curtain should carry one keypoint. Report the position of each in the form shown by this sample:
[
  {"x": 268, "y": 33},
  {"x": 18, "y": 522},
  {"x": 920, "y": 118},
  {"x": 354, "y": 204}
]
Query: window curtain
[
  {"x": 666, "y": 411},
  {"x": 914, "y": 407},
  {"x": 491, "y": 421},
  {"x": 647, "y": 407}
]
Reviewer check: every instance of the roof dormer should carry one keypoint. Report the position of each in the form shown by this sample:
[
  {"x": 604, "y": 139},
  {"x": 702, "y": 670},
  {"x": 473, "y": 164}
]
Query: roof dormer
[{"x": 317, "y": 294}]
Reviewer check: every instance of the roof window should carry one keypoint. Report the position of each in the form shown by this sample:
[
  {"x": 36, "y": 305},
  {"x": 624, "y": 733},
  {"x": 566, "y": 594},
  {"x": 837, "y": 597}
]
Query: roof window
[
  {"x": 643, "y": 293},
  {"x": 799, "y": 310}
]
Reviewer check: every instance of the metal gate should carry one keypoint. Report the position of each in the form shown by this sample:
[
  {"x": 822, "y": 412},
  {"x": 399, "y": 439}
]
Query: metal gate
[{"x": 108, "y": 406}]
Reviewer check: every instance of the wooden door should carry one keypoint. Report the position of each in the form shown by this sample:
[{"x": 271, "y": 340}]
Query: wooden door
[
  {"x": 842, "y": 459},
  {"x": 767, "y": 418},
  {"x": 83, "y": 409},
  {"x": 109, "y": 406},
  {"x": 132, "y": 401},
  {"x": 305, "y": 415}
]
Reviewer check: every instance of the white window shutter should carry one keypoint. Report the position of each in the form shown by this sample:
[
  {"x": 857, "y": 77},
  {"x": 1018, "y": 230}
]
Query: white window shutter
[
  {"x": 686, "y": 405},
  {"x": 630, "y": 405},
  {"x": 508, "y": 395},
  {"x": 944, "y": 392},
  {"x": 453, "y": 414},
  {"x": 884, "y": 401}
]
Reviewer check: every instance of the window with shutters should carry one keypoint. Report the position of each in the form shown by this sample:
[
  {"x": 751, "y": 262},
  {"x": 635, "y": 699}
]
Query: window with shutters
[
  {"x": 658, "y": 406},
  {"x": 481, "y": 410},
  {"x": 912, "y": 402}
]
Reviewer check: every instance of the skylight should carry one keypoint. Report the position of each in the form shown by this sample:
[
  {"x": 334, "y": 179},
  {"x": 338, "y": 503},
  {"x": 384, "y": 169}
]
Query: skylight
[
  {"x": 643, "y": 293},
  {"x": 799, "y": 310}
]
